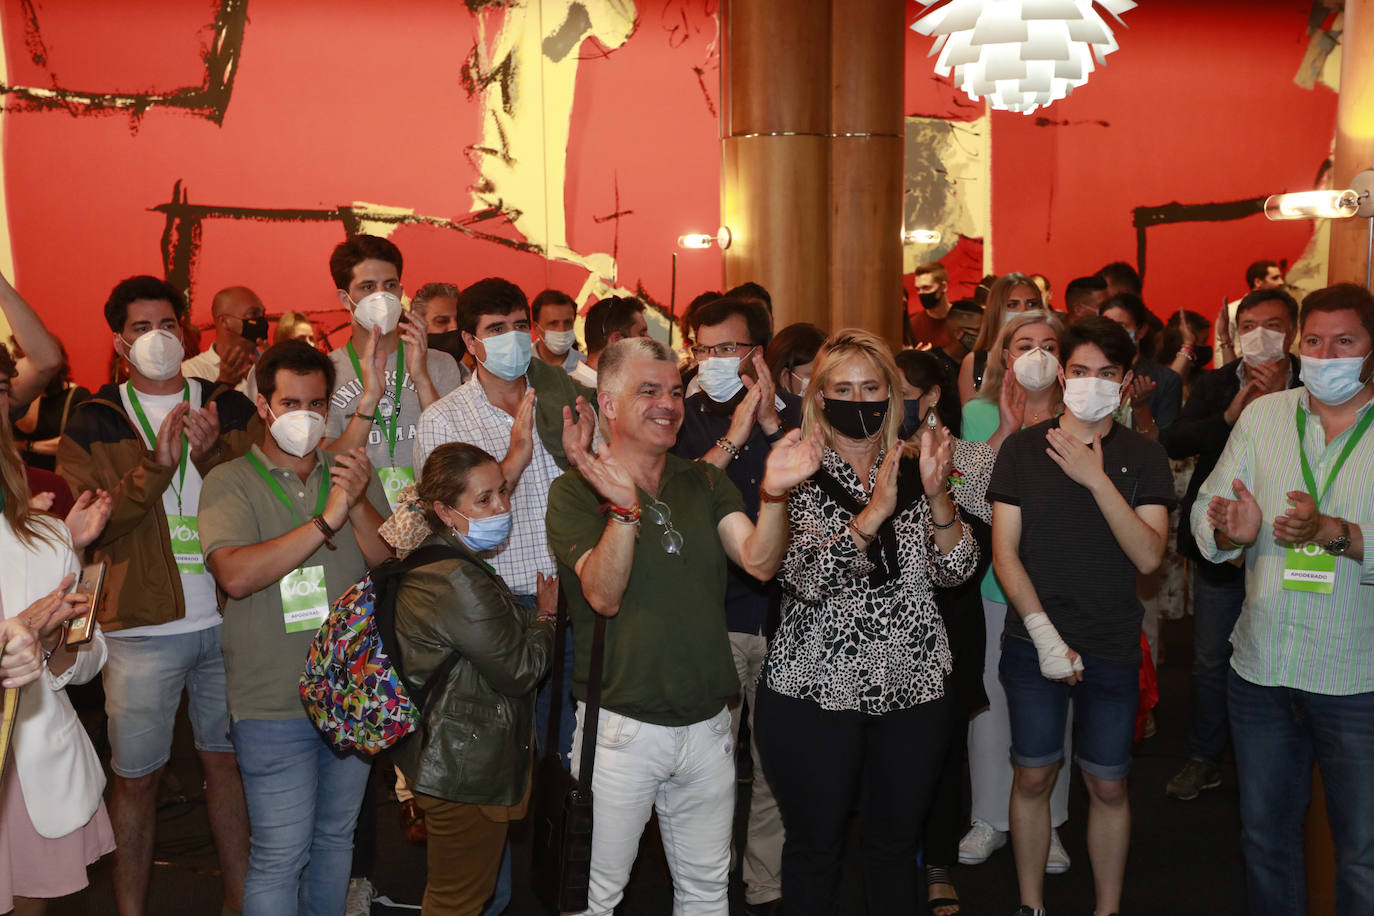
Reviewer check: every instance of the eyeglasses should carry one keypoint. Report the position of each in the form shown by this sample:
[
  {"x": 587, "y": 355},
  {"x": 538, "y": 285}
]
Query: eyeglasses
[
  {"x": 721, "y": 349},
  {"x": 672, "y": 538}
]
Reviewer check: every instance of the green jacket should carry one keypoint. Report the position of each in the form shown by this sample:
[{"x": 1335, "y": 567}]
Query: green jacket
[
  {"x": 476, "y": 744},
  {"x": 555, "y": 389}
]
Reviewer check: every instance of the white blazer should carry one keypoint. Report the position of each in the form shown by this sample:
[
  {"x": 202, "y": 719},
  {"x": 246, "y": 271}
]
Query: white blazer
[{"x": 57, "y": 766}]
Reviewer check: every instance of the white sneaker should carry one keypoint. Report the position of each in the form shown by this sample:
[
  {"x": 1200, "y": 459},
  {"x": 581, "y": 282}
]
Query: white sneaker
[
  {"x": 1058, "y": 861},
  {"x": 359, "y": 900},
  {"x": 980, "y": 842}
]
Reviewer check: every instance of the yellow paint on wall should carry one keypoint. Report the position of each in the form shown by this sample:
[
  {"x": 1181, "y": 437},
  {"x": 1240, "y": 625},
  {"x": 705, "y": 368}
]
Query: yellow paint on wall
[{"x": 526, "y": 120}]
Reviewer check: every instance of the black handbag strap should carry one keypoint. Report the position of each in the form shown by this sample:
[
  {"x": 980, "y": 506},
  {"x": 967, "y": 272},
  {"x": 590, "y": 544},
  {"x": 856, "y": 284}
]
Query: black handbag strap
[
  {"x": 593, "y": 706},
  {"x": 560, "y": 647}
]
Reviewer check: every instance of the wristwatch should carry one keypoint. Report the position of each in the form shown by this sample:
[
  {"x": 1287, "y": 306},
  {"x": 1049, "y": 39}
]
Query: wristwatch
[{"x": 1337, "y": 546}]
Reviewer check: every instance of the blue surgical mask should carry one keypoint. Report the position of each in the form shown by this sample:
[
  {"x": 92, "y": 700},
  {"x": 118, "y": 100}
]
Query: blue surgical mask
[
  {"x": 719, "y": 377},
  {"x": 485, "y": 533},
  {"x": 1333, "y": 381},
  {"x": 508, "y": 355}
]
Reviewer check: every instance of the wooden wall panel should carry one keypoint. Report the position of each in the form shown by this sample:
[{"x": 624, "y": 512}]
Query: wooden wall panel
[{"x": 1354, "y": 140}]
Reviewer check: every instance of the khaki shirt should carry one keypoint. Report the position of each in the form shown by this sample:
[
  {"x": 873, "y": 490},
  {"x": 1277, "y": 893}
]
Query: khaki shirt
[{"x": 262, "y": 662}]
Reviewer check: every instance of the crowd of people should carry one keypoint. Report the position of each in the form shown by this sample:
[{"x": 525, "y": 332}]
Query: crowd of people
[{"x": 909, "y": 576}]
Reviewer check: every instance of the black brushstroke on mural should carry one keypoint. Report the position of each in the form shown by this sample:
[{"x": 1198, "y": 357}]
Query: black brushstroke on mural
[
  {"x": 475, "y": 80},
  {"x": 181, "y": 236},
  {"x": 1051, "y": 122},
  {"x": 615, "y": 214},
  {"x": 1172, "y": 213},
  {"x": 33, "y": 39},
  {"x": 209, "y": 100}
]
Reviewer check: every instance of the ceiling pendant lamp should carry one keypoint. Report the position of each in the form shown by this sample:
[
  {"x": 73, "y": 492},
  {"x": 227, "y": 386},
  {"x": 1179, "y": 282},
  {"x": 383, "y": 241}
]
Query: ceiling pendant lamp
[{"x": 1020, "y": 55}]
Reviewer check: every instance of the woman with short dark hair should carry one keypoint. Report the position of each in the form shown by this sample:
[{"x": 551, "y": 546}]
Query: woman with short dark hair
[{"x": 470, "y": 766}]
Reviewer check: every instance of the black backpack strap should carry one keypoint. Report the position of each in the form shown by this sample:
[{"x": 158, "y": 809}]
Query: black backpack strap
[
  {"x": 589, "y": 722},
  {"x": 980, "y": 366},
  {"x": 386, "y": 582}
]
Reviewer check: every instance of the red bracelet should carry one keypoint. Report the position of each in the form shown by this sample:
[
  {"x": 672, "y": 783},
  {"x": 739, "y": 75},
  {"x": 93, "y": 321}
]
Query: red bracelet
[
  {"x": 765, "y": 496},
  {"x": 620, "y": 514}
]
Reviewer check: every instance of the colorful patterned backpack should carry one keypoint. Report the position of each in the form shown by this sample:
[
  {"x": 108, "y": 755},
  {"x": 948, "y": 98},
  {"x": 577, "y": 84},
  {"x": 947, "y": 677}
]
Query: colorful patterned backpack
[{"x": 353, "y": 686}]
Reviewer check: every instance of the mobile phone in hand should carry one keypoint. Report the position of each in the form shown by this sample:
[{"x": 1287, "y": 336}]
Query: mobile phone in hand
[{"x": 80, "y": 629}]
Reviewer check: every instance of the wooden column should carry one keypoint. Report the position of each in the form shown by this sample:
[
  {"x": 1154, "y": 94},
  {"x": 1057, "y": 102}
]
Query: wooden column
[
  {"x": 1347, "y": 262},
  {"x": 1348, "y": 258},
  {"x": 813, "y": 158}
]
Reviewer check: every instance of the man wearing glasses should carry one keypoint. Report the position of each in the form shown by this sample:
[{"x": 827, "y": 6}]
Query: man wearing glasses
[
  {"x": 643, "y": 538},
  {"x": 611, "y": 319},
  {"x": 733, "y": 421}
]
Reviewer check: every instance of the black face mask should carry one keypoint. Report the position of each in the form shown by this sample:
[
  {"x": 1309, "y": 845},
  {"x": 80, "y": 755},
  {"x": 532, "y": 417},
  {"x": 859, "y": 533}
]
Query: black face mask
[
  {"x": 856, "y": 419},
  {"x": 968, "y": 341},
  {"x": 450, "y": 342},
  {"x": 1202, "y": 355},
  {"x": 929, "y": 300},
  {"x": 911, "y": 418},
  {"x": 254, "y": 329}
]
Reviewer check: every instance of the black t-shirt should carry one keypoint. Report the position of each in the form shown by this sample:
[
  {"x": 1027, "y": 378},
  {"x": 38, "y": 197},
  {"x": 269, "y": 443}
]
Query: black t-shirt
[{"x": 1085, "y": 581}]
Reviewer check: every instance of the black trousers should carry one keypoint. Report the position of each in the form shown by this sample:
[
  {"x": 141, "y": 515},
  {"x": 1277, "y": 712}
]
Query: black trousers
[
  {"x": 822, "y": 765},
  {"x": 948, "y": 818}
]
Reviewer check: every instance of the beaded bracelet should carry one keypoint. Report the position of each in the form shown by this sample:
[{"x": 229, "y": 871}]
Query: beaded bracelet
[{"x": 728, "y": 447}]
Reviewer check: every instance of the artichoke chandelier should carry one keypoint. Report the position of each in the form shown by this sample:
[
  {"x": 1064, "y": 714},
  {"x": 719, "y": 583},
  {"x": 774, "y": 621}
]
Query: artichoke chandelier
[{"x": 1020, "y": 55}]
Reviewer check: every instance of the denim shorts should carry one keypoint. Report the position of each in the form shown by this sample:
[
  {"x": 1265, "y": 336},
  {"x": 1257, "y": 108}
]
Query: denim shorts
[
  {"x": 1104, "y": 709},
  {"x": 143, "y": 679}
]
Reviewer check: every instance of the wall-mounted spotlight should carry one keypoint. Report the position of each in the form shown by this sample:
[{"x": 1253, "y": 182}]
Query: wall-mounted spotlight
[
  {"x": 921, "y": 236},
  {"x": 722, "y": 238},
  {"x": 1357, "y": 200}
]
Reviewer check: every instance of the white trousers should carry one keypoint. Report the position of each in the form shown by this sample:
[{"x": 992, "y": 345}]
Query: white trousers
[{"x": 687, "y": 775}]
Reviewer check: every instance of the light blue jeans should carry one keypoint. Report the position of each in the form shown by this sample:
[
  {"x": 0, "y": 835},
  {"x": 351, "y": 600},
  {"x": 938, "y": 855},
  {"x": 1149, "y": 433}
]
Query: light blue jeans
[{"x": 303, "y": 802}]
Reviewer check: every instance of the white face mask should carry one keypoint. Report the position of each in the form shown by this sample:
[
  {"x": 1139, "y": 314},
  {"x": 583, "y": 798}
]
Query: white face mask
[
  {"x": 1261, "y": 345},
  {"x": 559, "y": 342},
  {"x": 380, "y": 310},
  {"x": 1091, "y": 399},
  {"x": 156, "y": 354},
  {"x": 1036, "y": 369},
  {"x": 719, "y": 377},
  {"x": 297, "y": 431}
]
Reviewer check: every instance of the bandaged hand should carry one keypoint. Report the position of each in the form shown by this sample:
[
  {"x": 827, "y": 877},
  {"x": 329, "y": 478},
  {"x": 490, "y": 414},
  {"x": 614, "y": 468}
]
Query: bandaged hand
[{"x": 1057, "y": 661}]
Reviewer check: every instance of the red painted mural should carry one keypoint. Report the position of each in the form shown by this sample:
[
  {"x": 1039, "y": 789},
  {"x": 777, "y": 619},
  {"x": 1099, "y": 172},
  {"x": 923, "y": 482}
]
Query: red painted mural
[{"x": 238, "y": 141}]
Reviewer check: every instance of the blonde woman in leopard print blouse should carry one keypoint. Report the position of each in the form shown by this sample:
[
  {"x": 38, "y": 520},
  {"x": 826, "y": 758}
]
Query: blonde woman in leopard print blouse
[{"x": 853, "y": 709}]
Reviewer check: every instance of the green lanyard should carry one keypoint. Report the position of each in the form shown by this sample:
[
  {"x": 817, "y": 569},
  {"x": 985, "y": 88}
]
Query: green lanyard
[
  {"x": 396, "y": 411},
  {"x": 152, "y": 436},
  {"x": 281, "y": 494},
  {"x": 1350, "y": 444}
]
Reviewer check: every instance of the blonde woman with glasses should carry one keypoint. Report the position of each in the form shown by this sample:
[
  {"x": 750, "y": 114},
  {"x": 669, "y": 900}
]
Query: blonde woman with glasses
[{"x": 853, "y": 709}]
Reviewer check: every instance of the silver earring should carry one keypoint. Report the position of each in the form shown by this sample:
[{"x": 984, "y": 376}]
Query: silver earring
[{"x": 932, "y": 421}]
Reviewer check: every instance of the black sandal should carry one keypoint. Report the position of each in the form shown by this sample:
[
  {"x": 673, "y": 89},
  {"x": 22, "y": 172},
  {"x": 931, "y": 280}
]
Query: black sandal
[{"x": 939, "y": 874}]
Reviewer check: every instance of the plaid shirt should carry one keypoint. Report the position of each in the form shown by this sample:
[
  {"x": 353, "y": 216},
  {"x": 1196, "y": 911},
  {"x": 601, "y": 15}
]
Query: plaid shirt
[{"x": 466, "y": 415}]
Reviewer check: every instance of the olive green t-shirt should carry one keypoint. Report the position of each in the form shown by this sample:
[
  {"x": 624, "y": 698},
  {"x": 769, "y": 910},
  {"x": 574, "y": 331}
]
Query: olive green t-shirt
[
  {"x": 262, "y": 661},
  {"x": 667, "y": 658}
]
